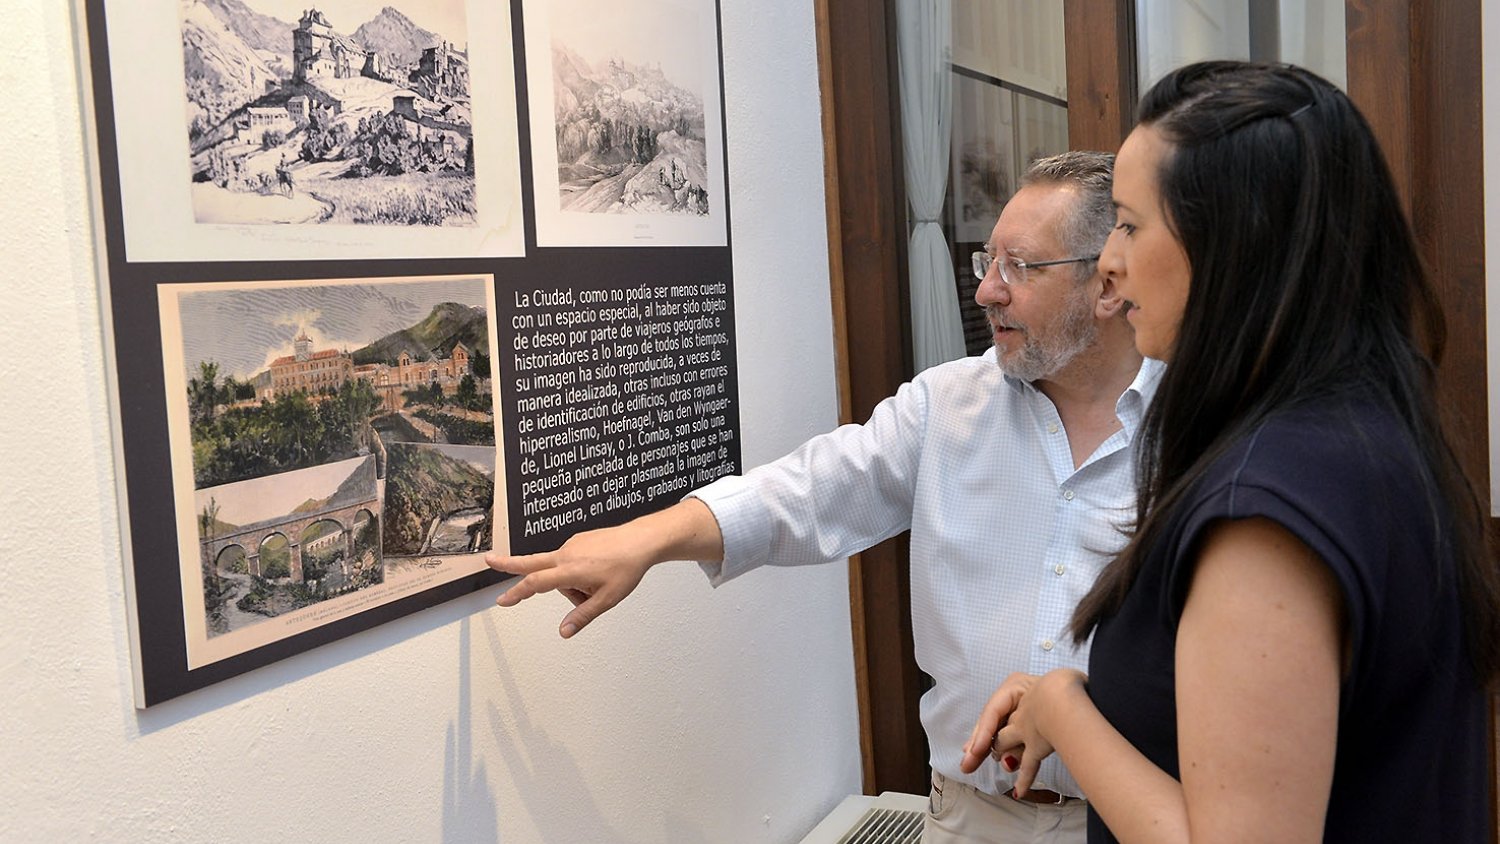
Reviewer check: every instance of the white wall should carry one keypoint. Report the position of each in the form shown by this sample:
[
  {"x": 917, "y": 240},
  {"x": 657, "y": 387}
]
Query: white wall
[{"x": 687, "y": 715}]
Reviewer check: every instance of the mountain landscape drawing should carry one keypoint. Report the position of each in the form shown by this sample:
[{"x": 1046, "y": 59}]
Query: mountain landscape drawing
[{"x": 628, "y": 139}]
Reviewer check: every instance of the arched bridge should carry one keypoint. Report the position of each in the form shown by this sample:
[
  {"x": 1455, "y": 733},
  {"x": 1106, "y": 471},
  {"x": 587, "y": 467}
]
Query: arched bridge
[{"x": 251, "y": 537}]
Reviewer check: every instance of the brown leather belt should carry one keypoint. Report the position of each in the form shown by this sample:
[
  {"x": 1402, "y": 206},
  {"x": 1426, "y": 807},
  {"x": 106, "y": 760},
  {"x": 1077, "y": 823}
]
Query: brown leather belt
[{"x": 1040, "y": 796}]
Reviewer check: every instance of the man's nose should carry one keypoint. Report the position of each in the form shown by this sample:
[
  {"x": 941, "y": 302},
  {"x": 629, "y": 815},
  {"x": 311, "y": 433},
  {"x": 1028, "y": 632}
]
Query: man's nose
[{"x": 992, "y": 291}]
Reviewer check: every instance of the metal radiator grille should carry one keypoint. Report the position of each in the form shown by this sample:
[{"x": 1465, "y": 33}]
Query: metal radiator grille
[{"x": 886, "y": 826}]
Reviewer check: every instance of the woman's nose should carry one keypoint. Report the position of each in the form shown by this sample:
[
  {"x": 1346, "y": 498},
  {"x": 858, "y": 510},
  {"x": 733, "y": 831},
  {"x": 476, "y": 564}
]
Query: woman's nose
[{"x": 1111, "y": 261}]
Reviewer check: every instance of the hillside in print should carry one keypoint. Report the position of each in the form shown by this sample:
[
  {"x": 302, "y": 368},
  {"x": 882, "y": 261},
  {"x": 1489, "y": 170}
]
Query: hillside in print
[
  {"x": 269, "y": 391},
  {"x": 628, "y": 139},
  {"x": 322, "y": 121}
]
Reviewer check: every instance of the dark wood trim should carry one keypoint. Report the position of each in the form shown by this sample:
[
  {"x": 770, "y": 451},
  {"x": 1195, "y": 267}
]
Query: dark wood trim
[
  {"x": 1413, "y": 71},
  {"x": 834, "y": 216},
  {"x": 979, "y": 76},
  {"x": 1379, "y": 60},
  {"x": 1100, "y": 43},
  {"x": 867, "y": 265}
]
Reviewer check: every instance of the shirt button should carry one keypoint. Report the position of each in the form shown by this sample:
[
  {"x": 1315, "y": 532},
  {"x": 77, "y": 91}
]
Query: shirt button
[
  {"x": 1059, "y": 569},
  {"x": 1051, "y": 428},
  {"x": 1068, "y": 495},
  {"x": 1046, "y": 644}
]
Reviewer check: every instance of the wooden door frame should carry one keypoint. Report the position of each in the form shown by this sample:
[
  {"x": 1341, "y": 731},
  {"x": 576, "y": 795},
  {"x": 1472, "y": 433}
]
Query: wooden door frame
[{"x": 866, "y": 204}]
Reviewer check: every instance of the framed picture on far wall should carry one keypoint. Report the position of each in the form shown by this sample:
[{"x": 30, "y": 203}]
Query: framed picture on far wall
[
  {"x": 983, "y": 156},
  {"x": 1041, "y": 130}
]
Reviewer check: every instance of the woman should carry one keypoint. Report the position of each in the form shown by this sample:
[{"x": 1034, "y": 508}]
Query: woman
[{"x": 1295, "y": 643}]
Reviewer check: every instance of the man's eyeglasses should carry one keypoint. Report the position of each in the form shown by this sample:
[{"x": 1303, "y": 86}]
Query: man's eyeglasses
[{"x": 1013, "y": 270}]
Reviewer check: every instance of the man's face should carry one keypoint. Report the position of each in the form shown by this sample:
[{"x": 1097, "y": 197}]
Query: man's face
[{"x": 1041, "y": 324}]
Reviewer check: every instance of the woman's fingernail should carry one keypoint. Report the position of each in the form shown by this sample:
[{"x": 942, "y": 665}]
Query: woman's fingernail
[{"x": 1011, "y": 763}]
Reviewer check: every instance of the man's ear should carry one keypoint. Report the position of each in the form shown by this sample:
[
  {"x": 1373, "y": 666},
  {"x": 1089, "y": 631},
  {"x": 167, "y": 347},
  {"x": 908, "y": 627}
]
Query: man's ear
[{"x": 1109, "y": 302}]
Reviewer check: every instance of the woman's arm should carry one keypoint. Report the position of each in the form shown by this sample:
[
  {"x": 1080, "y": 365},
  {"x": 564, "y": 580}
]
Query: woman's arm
[{"x": 1258, "y": 660}]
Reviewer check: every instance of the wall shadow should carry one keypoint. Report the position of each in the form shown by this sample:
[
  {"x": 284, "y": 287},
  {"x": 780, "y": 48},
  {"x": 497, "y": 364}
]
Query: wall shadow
[
  {"x": 545, "y": 772},
  {"x": 469, "y": 812}
]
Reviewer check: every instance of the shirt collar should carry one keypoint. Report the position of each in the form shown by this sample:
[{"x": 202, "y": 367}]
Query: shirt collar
[
  {"x": 1132, "y": 404},
  {"x": 1133, "y": 401}
]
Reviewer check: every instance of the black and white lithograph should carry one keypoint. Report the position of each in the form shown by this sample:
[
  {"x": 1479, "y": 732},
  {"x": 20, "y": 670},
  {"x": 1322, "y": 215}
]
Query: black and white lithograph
[
  {"x": 315, "y": 120},
  {"x": 630, "y": 150},
  {"x": 335, "y": 442},
  {"x": 317, "y": 130}
]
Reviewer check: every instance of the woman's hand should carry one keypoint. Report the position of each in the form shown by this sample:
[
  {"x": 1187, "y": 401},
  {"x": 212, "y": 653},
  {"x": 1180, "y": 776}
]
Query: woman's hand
[
  {"x": 1022, "y": 739},
  {"x": 994, "y": 716}
]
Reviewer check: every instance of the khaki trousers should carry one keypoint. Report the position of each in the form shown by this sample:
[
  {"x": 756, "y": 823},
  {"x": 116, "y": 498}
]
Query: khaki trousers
[{"x": 958, "y": 813}]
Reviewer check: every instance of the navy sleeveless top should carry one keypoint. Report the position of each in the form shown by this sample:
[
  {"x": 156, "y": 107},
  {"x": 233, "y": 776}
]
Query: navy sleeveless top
[{"x": 1343, "y": 476}]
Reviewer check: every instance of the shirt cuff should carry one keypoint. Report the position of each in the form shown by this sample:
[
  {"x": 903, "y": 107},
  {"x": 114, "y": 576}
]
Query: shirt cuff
[{"x": 744, "y": 523}]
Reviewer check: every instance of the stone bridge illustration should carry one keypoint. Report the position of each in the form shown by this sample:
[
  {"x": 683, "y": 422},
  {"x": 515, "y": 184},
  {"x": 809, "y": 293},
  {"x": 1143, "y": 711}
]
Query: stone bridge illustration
[{"x": 252, "y": 538}]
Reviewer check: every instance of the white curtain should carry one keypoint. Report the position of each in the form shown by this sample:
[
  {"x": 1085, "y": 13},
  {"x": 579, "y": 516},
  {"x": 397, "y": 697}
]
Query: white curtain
[{"x": 924, "y": 42}]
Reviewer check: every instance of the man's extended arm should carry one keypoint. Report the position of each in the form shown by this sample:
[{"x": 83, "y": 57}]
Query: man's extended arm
[
  {"x": 835, "y": 494},
  {"x": 596, "y": 569}
]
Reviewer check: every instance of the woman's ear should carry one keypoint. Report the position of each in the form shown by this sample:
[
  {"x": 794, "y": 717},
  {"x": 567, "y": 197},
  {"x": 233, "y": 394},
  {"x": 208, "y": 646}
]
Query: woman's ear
[{"x": 1109, "y": 302}]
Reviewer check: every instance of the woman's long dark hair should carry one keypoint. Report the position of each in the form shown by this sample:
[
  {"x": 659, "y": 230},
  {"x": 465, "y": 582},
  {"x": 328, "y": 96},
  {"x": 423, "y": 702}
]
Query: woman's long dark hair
[{"x": 1305, "y": 279}]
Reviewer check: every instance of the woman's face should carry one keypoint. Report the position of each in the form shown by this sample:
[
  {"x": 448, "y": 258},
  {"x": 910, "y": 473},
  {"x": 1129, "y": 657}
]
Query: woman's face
[{"x": 1142, "y": 256}]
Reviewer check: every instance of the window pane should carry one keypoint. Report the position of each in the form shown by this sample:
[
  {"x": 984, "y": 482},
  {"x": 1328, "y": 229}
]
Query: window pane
[
  {"x": 1172, "y": 33},
  {"x": 1009, "y": 108}
]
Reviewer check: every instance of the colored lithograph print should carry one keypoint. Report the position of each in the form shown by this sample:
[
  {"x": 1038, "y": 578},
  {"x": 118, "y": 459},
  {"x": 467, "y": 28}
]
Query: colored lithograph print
[
  {"x": 335, "y": 441},
  {"x": 439, "y": 499},
  {"x": 274, "y": 545},
  {"x": 288, "y": 378}
]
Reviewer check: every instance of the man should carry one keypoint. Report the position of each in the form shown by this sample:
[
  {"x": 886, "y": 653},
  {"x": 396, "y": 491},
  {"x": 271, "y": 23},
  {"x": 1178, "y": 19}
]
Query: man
[{"x": 1013, "y": 471}]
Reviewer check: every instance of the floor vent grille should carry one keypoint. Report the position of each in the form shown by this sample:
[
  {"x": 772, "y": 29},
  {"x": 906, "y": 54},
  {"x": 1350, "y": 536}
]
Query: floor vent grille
[{"x": 886, "y": 826}]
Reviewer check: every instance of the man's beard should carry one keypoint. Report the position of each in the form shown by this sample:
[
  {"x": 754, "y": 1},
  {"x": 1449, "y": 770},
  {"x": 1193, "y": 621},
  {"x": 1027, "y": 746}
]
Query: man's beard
[{"x": 1044, "y": 354}]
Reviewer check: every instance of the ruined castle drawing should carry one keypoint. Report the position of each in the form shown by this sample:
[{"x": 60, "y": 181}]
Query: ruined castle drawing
[
  {"x": 318, "y": 52},
  {"x": 319, "y": 125}
]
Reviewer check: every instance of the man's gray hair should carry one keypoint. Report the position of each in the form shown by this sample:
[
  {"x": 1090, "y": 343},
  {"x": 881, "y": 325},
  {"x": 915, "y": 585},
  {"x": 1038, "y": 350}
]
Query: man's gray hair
[{"x": 1093, "y": 216}]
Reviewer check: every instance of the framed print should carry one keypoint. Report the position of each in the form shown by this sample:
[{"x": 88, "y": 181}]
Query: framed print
[
  {"x": 626, "y": 125},
  {"x": 333, "y": 447},
  {"x": 320, "y": 285},
  {"x": 265, "y": 129}
]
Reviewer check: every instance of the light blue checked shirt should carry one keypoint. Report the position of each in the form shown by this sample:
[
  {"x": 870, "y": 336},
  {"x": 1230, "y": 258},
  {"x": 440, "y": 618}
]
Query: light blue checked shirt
[{"x": 1006, "y": 536}]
